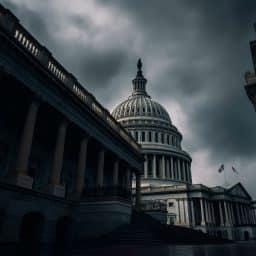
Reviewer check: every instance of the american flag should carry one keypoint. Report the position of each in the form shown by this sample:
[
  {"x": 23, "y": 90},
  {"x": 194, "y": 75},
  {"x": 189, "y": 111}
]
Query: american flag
[
  {"x": 221, "y": 169},
  {"x": 234, "y": 170}
]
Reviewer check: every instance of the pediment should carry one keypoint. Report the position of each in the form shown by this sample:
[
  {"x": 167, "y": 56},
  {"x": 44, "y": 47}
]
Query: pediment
[{"x": 239, "y": 191}]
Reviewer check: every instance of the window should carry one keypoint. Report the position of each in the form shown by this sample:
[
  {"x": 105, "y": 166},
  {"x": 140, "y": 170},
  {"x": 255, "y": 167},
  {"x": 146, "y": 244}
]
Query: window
[
  {"x": 149, "y": 136},
  {"x": 156, "y": 137},
  {"x": 142, "y": 136},
  {"x": 168, "y": 139},
  {"x": 170, "y": 204},
  {"x": 173, "y": 142},
  {"x": 136, "y": 136},
  {"x": 162, "y": 138}
]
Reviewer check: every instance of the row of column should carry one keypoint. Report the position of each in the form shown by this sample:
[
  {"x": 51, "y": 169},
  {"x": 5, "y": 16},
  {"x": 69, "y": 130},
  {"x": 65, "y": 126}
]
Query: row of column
[
  {"x": 183, "y": 215},
  {"x": 153, "y": 136},
  {"x": 21, "y": 178},
  {"x": 226, "y": 212},
  {"x": 169, "y": 168}
]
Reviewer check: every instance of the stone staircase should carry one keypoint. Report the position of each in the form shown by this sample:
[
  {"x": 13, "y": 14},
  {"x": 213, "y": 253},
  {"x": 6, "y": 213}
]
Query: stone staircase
[{"x": 146, "y": 230}]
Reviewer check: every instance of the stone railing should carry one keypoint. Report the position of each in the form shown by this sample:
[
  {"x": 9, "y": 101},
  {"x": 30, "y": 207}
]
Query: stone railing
[
  {"x": 106, "y": 191},
  {"x": 150, "y": 189},
  {"x": 153, "y": 205},
  {"x": 22, "y": 38}
]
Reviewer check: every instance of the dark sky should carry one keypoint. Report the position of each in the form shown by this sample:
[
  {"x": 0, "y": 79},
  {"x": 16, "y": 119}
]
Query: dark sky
[{"x": 195, "y": 54}]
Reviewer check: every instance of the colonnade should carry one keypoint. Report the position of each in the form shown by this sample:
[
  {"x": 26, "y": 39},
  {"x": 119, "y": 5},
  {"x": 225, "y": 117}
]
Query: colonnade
[
  {"x": 21, "y": 177},
  {"x": 156, "y": 137},
  {"x": 230, "y": 213},
  {"x": 167, "y": 167}
]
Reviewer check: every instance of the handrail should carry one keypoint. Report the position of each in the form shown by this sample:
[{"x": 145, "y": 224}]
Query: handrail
[{"x": 10, "y": 24}]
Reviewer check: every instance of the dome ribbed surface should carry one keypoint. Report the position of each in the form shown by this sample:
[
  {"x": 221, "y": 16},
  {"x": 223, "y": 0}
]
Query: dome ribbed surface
[{"x": 140, "y": 106}]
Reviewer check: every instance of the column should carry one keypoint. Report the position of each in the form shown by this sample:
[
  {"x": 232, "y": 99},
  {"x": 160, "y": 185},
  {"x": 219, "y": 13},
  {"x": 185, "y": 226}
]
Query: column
[
  {"x": 221, "y": 215},
  {"x": 21, "y": 177},
  {"x": 55, "y": 188},
  {"x": 163, "y": 168},
  {"x": 213, "y": 215},
  {"x": 115, "y": 172},
  {"x": 231, "y": 213},
  {"x": 178, "y": 213},
  {"x": 242, "y": 214},
  {"x": 202, "y": 211},
  {"x": 100, "y": 169},
  {"x": 146, "y": 167},
  {"x": 186, "y": 210},
  {"x": 189, "y": 172},
  {"x": 238, "y": 214},
  {"x": 128, "y": 179},
  {"x": 226, "y": 214},
  {"x": 81, "y": 166},
  {"x": 207, "y": 220},
  {"x": 154, "y": 166},
  {"x": 172, "y": 171},
  {"x": 192, "y": 212},
  {"x": 179, "y": 176},
  {"x": 138, "y": 192},
  {"x": 168, "y": 168},
  {"x": 182, "y": 216},
  {"x": 184, "y": 171}
]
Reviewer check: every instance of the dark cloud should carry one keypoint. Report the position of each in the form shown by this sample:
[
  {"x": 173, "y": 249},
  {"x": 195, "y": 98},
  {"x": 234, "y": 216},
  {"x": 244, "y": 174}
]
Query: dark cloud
[{"x": 194, "y": 52}]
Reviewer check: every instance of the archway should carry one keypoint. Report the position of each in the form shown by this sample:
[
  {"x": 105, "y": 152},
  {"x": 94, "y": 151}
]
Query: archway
[
  {"x": 31, "y": 227},
  {"x": 246, "y": 235}
]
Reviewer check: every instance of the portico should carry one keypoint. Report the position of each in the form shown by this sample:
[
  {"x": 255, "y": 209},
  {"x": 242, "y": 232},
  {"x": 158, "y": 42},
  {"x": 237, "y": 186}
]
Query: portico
[{"x": 60, "y": 144}]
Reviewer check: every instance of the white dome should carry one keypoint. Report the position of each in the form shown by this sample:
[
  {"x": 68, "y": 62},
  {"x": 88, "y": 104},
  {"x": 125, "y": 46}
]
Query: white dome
[{"x": 150, "y": 124}]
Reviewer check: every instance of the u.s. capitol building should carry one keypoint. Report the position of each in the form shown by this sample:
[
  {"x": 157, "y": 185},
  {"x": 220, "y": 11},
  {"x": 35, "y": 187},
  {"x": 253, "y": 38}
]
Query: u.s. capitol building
[{"x": 167, "y": 190}]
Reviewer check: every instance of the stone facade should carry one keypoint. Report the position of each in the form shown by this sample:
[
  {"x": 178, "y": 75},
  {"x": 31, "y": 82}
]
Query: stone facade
[
  {"x": 167, "y": 190},
  {"x": 65, "y": 163}
]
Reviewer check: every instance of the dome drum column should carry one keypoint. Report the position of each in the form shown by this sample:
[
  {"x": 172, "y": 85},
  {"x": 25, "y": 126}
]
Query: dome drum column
[
  {"x": 168, "y": 168},
  {"x": 179, "y": 170},
  {"x": 172, "y": 170},
  {"x": 154, "y": 166},
  {"x": 146, "y": 167},
  {"x": 163, "y": 174}
]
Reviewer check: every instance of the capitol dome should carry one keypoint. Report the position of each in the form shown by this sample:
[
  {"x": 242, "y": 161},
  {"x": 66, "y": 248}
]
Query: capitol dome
[{"x": 150, "y": 124}]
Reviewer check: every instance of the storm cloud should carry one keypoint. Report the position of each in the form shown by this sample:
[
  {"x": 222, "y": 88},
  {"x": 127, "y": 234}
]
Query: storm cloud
[{"x": 194, "y": 54}]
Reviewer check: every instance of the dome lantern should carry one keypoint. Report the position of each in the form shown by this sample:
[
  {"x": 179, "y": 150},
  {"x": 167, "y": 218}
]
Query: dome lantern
[{"x": 139, "y": 82}]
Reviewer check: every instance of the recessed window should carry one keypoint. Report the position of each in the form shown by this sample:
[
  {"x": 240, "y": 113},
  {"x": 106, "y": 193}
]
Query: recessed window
[
  {"x": 142, "y": 136},
  {"x": 156, "y": 137},
  {"x": 136, "y": 136},
  {"x": 149, "y": 136},
  {"x": 162, "y": 138},
  {"x": 170, "y": 204}
]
